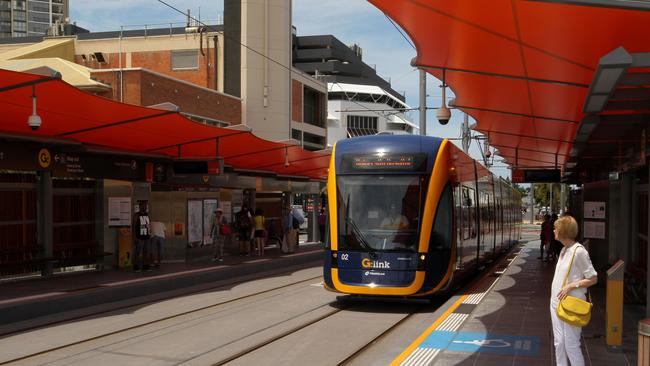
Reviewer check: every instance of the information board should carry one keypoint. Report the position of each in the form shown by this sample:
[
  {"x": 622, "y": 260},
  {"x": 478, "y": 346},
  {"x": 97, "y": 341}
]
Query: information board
[
  {"x": 209, "y": 207},
  {"x": 194, "y": 222},
  {"x": 119, "y": 211},
  {"x": 594, "y": 229},
  {"x": 594, "y": 210}
]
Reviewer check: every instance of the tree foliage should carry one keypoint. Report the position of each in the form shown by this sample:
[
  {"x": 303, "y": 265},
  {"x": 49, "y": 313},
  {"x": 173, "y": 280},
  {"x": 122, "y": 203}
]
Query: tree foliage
[{"x": 543, "y": 196}]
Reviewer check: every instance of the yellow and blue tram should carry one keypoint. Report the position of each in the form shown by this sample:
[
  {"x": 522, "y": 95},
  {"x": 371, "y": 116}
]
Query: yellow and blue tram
[{"x": 410, "y": 215}]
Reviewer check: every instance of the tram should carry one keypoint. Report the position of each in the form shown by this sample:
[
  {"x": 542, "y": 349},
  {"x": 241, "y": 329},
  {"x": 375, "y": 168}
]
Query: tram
[{"x": 411, "y": 215}]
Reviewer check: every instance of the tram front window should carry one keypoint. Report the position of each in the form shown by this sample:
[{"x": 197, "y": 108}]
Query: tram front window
[{"x": 379, "y": 212}]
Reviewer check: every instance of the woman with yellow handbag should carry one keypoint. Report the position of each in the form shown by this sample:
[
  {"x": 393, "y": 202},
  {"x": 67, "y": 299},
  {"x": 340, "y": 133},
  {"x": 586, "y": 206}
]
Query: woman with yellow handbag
[{"x": 574, "y": 273}]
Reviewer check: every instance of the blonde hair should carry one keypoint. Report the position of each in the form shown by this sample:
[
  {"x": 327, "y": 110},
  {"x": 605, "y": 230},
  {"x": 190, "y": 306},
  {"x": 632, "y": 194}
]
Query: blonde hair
[{"x": 567, "y": 227}]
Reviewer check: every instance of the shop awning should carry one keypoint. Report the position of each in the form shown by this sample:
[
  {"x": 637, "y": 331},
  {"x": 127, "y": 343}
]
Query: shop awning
[
  {"x": 521, "y": 68},
  {"x": 69, "y": 114}
]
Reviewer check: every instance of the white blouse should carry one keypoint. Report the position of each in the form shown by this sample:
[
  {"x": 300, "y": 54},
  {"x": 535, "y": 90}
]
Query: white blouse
[{"x": 580, "y": 269}]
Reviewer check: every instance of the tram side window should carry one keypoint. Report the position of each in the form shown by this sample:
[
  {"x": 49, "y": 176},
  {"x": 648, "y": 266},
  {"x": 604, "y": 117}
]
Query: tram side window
[
  {"x": 459, "y": 212},
  {"x": 443, "y": 225},
  {"x": 468, "y": 214}
]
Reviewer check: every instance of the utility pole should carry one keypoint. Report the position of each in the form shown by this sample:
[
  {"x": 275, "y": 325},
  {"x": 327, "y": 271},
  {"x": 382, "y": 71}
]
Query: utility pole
[
  {"x": 423, "y": 102},
  {"x": 466, "y": 135},
  {"x": 550, "y": 203},
  {"x": 562, "y": 198},
  {"x": 532, "y": 203}
]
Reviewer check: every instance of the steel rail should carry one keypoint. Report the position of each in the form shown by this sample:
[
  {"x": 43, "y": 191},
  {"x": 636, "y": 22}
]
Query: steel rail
[{"x": 124, "y": 330}]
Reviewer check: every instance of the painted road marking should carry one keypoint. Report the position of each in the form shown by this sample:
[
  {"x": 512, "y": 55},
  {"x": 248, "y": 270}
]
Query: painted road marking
[
  {"x": 502, "y": 344},
  {"x": 415, "y": 353}
]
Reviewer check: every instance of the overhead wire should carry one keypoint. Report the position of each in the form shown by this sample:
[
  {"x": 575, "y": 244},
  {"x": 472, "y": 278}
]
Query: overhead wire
[{"x": 400, "y": 32}]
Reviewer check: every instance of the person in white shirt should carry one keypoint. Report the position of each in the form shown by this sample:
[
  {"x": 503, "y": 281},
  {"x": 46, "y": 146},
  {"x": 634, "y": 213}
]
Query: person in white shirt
[
  {"x": 157, "y": 240},
  {"x": 394, "y": 220},
  {"x": 566, "y": 337}
]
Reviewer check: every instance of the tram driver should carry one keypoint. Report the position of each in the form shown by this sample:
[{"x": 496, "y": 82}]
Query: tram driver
[{"x": 394, "y": 220}]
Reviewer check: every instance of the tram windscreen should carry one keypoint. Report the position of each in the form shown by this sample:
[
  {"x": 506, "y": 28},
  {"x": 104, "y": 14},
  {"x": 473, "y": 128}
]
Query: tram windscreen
[{"x": 380, "y": 212}]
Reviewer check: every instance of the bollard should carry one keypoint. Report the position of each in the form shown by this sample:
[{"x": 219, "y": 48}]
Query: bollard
[
  {"x": 644, "y": 343},
  {"x": 614, "y": 308}
]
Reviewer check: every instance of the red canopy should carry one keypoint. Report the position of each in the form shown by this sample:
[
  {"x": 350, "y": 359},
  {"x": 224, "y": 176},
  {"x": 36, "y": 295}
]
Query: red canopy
[
  {"x": 71, "y": 114},
  {"x": 522, "y": 69}
]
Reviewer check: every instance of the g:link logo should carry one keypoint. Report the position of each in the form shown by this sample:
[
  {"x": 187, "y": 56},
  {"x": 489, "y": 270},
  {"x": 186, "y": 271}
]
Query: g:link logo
[{"x": 368, "y": 263}]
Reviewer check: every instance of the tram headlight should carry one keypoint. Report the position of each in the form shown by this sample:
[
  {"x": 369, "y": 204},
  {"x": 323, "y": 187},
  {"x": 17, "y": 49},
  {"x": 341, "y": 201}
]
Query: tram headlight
[
  {"x": 422, "y": 262},
  {"x": 334, "y": 263}
]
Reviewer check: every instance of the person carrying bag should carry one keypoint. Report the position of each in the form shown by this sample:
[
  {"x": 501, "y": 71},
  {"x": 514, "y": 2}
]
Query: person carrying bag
[
  {"x": 574, "y": 310},
  {"x": 574, "y": 273}
]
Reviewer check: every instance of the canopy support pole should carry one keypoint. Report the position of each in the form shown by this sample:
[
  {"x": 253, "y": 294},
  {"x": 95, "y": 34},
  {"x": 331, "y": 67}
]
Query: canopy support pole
[
  {"x": 29, "y": 83},
  {"x": 118, "y": 123}
]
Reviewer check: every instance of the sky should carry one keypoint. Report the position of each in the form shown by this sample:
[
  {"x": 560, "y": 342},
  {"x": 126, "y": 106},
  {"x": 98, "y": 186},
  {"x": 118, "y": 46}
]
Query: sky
[{"x": 351, "y": 21}]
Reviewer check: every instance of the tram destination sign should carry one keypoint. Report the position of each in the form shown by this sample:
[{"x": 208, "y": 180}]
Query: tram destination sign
[{"x": 383, "y": 162}]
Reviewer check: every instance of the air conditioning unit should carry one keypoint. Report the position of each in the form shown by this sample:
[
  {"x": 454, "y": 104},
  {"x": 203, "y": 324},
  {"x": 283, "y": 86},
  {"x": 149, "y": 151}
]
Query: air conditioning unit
[{"x": 101, "y": 57}]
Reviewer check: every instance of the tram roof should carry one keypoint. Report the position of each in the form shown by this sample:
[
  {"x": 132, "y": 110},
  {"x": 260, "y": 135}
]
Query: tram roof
[
  {"x": 69, "y": 114},
  {"x": 529, "y": 72}
]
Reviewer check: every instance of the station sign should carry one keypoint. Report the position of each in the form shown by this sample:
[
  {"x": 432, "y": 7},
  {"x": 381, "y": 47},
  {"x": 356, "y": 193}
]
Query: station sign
[
  {"x": 536, "y": 176},
  {"x": 198, "y": 167},
  {"x": 71, "y": 164},
  {"x": 25, "y": 157}
]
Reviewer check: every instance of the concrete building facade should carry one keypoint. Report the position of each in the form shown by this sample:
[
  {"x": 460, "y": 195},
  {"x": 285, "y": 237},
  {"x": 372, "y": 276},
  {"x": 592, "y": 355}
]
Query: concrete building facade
[
  {"x": 20, "y": 18},
  {"x": 360, "y": 102},
  {"x": 258, "y": 68}
]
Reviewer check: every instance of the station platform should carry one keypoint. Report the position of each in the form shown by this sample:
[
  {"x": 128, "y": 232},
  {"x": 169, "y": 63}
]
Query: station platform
[
  {"x": 504, "y": 319},
  {"x": 68, "y": 296}
]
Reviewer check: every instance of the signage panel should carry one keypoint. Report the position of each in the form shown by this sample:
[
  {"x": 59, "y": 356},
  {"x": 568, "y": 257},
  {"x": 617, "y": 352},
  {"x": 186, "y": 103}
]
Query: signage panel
[
  {"x": 98, "y": 166},
  {"x": 380, "y": 162},
  {"x": 535, "y": 175}
]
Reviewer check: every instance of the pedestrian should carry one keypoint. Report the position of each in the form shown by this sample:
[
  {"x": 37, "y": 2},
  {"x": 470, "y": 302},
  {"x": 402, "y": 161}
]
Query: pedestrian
[
  {"x": 244, "y": 222},
  {"x": 545, "y": 236},
  {"x": 292, "y": 224},
  {"x": 574, "y": 273},
  {"x": 556, "y": 246},
  {"x": 142, "y": 226},
  {"x": 260, "y": 222},
  {"x": 322, "y": 220},
  {"x": 158, "y": 231},
  {"x": 217, "y": 234}
]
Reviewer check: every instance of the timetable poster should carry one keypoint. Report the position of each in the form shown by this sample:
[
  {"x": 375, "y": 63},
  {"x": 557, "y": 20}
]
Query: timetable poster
[{"x": 194, "y": 222}]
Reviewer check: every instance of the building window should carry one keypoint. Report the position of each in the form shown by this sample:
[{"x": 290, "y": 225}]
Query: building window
[
  {"x": 185, "y": 60},
  {"x": 42, "y": 7},
  {"x": 19, "y": 4},
  {"x": 39, "y": 17},
  {"x": 20, "y": 26},
  {"x": 314, "y": 139},
  {"x": 362, "y": 126},
  {"x": 296, "y": 134},
  {"x": 38, "y": 28},
  {"x": 312, "y": 107}
]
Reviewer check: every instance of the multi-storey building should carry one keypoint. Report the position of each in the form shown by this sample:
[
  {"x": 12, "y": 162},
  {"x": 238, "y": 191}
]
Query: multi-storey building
[
  {"x": 360, "y": 102},
  {"x": 279, "y": 101},
  {"x": 19, "y": 18}
]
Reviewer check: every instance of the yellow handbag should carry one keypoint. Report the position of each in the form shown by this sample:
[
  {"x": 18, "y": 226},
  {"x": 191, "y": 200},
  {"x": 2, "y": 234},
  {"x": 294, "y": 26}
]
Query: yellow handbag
[{"x": 573, "y": 310}]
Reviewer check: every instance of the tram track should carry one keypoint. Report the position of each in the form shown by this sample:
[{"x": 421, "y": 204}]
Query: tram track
[
  {"x": 202, "y": 289},
  {"x": 352, "y": 357},
  {"x": 278, "y": 337},
  {"x": 342, "y": 306},
  {"x": 145, "y": 324}
]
